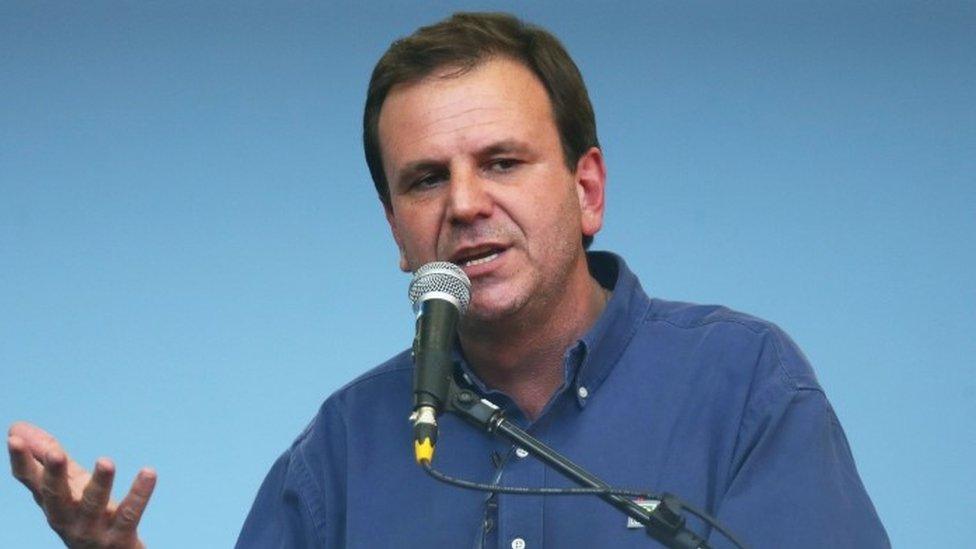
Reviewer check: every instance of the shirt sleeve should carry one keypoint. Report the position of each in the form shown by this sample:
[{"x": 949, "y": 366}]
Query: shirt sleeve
[
  {"x": 279, "y": 518},
  {"x": 793, "y": 478},
  {"x": 300, "y": 502}
]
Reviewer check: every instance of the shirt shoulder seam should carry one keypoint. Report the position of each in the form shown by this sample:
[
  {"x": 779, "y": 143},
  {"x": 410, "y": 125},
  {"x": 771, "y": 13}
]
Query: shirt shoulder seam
[
  {"x": 751, "y": 326},
  {"x": 757, "y": 327},
  {"x": 368, "y": 376}
]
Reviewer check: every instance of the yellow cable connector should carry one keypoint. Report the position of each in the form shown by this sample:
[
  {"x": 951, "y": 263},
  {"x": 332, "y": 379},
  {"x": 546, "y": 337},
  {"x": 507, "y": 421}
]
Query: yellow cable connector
[{"x": 424, "y": 451}]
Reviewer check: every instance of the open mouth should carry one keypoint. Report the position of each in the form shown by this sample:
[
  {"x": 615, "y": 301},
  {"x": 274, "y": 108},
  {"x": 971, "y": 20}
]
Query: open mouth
[
  {"x": 478, "y": 256},
  {"x": 480, "y": 260}
]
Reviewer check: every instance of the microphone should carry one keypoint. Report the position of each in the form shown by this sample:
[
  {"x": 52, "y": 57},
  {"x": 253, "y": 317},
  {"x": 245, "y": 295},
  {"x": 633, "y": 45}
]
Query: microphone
[{"x": 440, "y": 292}]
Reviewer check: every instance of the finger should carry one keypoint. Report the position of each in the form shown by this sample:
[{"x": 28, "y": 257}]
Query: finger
[
  {"x": 24, "y": 467},
  {"x": 95, "y": 497},
  {"x": 55, "y": 492},
  {"x": 39, "y": 441},
  {"x": 129, "y": 512}
]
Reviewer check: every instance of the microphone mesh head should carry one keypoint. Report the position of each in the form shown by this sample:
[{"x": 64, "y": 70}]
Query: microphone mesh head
[{"x": 443, "y": 277}]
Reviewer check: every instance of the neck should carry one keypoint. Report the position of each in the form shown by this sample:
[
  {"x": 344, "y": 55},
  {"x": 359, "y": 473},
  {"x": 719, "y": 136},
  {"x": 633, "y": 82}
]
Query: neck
[{"x": 523, "y": 355}]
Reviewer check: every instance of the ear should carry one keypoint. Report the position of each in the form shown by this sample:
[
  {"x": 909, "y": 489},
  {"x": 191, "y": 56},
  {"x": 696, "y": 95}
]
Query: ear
[
  {"x": 591, "y": 182},
  {"x": 391, "y": 219}
]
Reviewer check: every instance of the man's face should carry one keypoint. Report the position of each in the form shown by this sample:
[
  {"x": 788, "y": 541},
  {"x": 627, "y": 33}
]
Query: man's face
[{"x": 477, "y": 177}]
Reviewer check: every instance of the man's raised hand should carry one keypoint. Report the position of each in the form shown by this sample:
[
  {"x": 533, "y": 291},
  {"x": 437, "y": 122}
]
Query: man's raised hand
[{"x": 77, "y": 503}]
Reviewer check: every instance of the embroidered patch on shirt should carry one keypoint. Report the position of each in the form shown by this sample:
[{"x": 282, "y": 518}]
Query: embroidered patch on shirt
[{"x": 649, "y": 504}]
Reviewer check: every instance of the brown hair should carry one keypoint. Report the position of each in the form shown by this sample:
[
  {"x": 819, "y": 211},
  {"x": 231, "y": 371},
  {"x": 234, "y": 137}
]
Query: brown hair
[{"x": 465, "y": 40}]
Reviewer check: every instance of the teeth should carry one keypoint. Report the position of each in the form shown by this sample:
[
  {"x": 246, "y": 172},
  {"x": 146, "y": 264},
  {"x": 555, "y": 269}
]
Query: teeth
[{"x": 485, "y": 259}]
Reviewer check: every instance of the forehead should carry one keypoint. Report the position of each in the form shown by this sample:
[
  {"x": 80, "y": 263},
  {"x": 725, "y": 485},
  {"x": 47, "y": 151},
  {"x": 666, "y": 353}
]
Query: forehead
[{"x": 497, "y": 99}]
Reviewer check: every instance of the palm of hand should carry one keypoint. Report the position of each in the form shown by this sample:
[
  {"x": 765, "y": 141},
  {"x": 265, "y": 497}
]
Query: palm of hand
[{"x": 77, "y": 503}]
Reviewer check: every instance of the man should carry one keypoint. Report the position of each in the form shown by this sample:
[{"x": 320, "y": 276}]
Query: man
[{"x": 482, "y": 145}]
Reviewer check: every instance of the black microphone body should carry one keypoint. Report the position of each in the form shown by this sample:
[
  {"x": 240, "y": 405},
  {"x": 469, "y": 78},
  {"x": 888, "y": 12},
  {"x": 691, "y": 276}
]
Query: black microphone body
[
  {"x": 440, "y": 292},
  {"x": 433, "y": 364}
]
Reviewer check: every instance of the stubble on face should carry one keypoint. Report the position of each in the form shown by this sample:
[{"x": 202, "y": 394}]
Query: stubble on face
[{"x": 449, "y": 121}]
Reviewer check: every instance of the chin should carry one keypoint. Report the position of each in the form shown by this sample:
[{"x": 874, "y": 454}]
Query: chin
[{"x": 487, "y": 309}]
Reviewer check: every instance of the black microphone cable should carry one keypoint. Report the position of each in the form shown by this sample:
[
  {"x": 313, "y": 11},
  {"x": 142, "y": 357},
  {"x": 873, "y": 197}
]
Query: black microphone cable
[{"x": 580, "y": 491}]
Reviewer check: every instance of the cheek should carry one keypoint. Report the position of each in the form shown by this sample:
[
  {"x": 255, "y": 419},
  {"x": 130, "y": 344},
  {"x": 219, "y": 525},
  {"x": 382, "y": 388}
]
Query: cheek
[
  {"x": 556, "y": 211},
  {"x": 418, "y": 234}
]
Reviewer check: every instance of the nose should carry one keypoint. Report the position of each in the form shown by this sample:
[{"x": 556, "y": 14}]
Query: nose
[{"x": 468, "y": 198}]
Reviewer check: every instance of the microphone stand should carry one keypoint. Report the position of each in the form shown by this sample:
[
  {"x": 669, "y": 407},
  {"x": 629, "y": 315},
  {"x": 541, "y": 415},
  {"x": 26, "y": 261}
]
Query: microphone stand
[{"x": 663, "y": 522}]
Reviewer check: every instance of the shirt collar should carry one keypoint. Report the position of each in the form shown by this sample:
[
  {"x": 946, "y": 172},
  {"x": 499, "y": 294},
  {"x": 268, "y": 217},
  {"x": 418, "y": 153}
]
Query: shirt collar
[{"x": 601, "y": 347}]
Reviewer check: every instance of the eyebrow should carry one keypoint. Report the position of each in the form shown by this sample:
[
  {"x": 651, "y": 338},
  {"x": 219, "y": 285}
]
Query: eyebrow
[{"x": 504, "y": 146}]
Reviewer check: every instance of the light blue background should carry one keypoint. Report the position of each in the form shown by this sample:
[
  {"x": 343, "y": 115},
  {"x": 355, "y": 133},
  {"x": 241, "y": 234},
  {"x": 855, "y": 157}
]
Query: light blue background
[{"x": 192, "y": 257}]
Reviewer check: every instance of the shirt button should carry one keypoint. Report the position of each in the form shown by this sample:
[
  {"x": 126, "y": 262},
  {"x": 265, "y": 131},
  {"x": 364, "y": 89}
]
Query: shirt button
[
  {"x": 582, "y": 392},
  {"x": 521, "y": 452},
  {"x": 518, "y": 543}
]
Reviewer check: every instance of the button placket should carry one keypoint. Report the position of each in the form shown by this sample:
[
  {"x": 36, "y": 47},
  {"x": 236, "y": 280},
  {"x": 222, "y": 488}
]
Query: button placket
[{"x": 519, "y": 516}]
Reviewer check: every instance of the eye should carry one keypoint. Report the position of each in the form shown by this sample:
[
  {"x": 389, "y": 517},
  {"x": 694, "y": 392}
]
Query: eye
[
  {"x": 503, "y": 165},
  {"x": 428, "y": 180}
]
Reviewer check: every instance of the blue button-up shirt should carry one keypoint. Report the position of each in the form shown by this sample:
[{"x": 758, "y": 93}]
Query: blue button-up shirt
[{"x": 715, "y": 406}]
